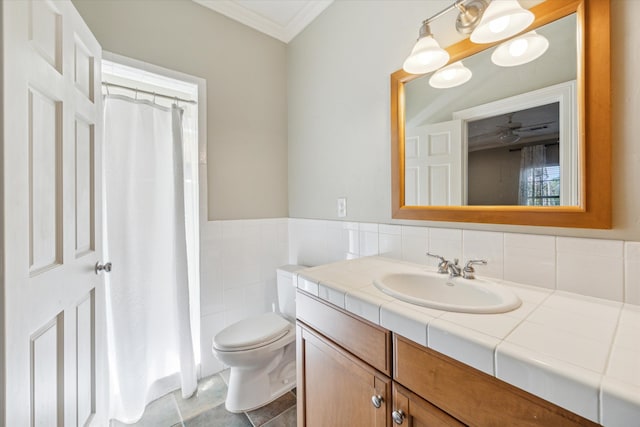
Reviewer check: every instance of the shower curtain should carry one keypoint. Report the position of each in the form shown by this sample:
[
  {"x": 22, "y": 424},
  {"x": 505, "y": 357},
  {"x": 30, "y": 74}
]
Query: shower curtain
[{"x": 150, "y": 350}]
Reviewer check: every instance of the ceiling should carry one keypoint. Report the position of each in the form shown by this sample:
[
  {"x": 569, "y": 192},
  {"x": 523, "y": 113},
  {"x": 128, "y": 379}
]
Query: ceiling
[
  {"x": 280, "y": 19},
  {"x": 531, "y": 125}
]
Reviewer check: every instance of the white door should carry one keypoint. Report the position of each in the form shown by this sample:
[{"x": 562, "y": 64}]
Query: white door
[
  {"x": 52, "y": 180},
  {"x": 433, "y": 165}
]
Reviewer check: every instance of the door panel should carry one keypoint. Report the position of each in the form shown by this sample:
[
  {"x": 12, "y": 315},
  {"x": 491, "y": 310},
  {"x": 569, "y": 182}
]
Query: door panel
[
  {"x": 47, "y": 373},
  {"x": 45, "y": 32},
  {"x": 85, "y": 354},
  {"x": 53, "y": 300},
  {"x": 84, "y": 184},
  {"x": 434, "y": 175},
  {"x": 45, "y": 246}
]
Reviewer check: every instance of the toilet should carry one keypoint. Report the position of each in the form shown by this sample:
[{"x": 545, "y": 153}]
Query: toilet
[{"x": 260, "y": 350}]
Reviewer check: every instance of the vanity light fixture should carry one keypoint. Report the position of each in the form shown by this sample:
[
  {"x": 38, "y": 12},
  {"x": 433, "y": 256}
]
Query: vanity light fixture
[
  {"x": 487, "y": 23},
  {"x": 520, "y": 50},
  {"x": 502, "y": 19},
  {"x": 470, "y": 14},
  {"x": 426, "y": 55},
  {"x": 450, "y": 76}
]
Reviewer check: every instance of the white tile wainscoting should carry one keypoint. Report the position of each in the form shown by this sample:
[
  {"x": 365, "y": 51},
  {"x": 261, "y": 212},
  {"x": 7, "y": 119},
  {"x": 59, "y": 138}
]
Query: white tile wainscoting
[
  {"x": 238, "y": 262},
  {"x": 239, "y": 258}
]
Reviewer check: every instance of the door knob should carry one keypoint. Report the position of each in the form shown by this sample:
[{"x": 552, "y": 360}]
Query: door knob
[
  {"x": 106, "y": 267},
  {"x": 398, "y": 416},
  {"x": 377, "y": 400}
]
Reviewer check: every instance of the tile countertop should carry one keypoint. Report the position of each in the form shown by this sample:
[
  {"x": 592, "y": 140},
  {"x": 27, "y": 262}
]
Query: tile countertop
[{"x": 581, "y": 353}]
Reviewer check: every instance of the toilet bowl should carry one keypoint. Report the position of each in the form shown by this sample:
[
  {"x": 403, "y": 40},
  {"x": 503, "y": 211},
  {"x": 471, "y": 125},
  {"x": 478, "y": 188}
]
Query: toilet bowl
[{"x": 260, "y": 351}]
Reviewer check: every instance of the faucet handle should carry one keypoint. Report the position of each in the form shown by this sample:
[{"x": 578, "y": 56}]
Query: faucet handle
[
  {"x": 441, "y": 258},
  {"x": 468, "y": 270},
  {"x": 443, "y": 265}
]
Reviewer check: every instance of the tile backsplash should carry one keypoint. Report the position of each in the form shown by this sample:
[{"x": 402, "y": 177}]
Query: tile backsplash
[
  {"x": 608, "y": 269},
  {"x": 632, "y": 272},
  {"x": 591, "y": 267},
  {"x": 239, "y": 259},
  {"x": 530, "y": 259}
]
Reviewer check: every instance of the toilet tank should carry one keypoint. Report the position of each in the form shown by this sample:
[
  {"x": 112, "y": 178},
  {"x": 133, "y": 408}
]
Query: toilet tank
[{"x": 287, "y": 290}]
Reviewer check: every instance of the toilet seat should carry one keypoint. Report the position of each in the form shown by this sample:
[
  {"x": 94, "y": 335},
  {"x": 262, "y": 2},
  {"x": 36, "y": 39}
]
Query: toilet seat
[{"x": 252, "y": 333}]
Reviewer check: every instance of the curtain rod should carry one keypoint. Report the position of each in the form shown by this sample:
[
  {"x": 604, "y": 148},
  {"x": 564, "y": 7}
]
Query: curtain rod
[
  {"x": 546, "y": 145},
  {"x": 147, "y": 92}
]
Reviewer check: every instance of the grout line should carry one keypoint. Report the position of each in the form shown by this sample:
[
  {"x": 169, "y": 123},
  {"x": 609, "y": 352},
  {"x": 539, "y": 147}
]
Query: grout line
[
  {"x": 607, "y": 364},
  {"x": 281, "y": 414},
  {"x": 520, "y": 322},
  {"x": 624, "y": 271},
  {"x": 177, "y": 408},
  {"x": 250, "y": 420}
]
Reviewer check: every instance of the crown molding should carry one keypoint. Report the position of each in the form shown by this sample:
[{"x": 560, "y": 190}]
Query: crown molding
[{"x": 240, "y": 12}]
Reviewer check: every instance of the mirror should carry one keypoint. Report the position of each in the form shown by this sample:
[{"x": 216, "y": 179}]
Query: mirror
[
  {"x": 503, "y": 114},
  {"x": 497, "y": 121}
]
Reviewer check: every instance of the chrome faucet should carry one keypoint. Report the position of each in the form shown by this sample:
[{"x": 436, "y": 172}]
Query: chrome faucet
[
  {"x": 454, "y": 270},
  {"x": 443, "y": 265},
  {"x": 468, "y": 270},
  {"x": 447, "y": 267}
]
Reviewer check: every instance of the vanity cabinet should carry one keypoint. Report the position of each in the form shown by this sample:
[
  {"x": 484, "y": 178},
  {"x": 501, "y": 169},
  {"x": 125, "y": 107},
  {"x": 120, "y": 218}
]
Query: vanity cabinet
[
  {"x": 339, "y": 390},
  {"x": 352, "y": 372},
  {"x": 471, "y": 396},
  {"x": 344, "y": 368},
  {"x": 409, "y": 409}
]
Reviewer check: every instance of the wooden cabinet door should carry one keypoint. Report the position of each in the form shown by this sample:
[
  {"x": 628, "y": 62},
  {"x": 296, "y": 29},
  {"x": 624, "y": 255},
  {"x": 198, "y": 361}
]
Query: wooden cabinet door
[
  {"x": 409, "y": 409},
  {"x": 335, "y": 388}
]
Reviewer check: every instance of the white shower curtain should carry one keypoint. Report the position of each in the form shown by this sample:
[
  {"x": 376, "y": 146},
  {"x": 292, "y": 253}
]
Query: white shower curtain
[{"x": 150, "y": 349}]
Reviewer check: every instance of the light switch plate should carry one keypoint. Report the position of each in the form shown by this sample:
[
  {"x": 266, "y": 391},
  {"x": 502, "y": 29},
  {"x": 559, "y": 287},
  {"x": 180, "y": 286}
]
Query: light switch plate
[{"x": 342, "y": 207}]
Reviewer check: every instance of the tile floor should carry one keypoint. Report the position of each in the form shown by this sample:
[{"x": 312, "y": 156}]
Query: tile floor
[{"x": 206, "y": 409}]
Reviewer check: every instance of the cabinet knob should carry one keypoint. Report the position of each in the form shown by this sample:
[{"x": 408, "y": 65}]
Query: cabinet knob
[
  {"x": 398, "y": 416},
  {"x": 377, "y": 401}
]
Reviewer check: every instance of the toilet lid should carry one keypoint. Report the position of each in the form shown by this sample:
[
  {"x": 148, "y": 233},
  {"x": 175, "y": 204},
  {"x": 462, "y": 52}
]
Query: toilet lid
[{"x": 251, "y": 333}]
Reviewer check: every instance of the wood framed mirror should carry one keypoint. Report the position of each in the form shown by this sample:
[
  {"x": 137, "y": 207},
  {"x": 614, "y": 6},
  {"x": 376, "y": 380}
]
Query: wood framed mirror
[{"x": 591, "y": 203}]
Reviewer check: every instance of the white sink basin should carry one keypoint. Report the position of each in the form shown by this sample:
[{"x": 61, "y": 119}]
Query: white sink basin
[{"x": 438, "y": 291}]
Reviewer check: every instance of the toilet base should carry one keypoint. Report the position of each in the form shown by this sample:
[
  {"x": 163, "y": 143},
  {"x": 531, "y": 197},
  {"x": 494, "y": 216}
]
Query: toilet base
[{"x": 251, "y": 388}]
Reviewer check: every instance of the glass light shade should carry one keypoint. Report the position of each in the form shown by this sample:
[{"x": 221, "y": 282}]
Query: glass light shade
[
  {"x": 509, "y": 138},
  {"x": 520, "y": 50},
  {"x": 502, "y": 19},
  {"x": 426, "y": 56},
  {"x": 450, "y": 76}
]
